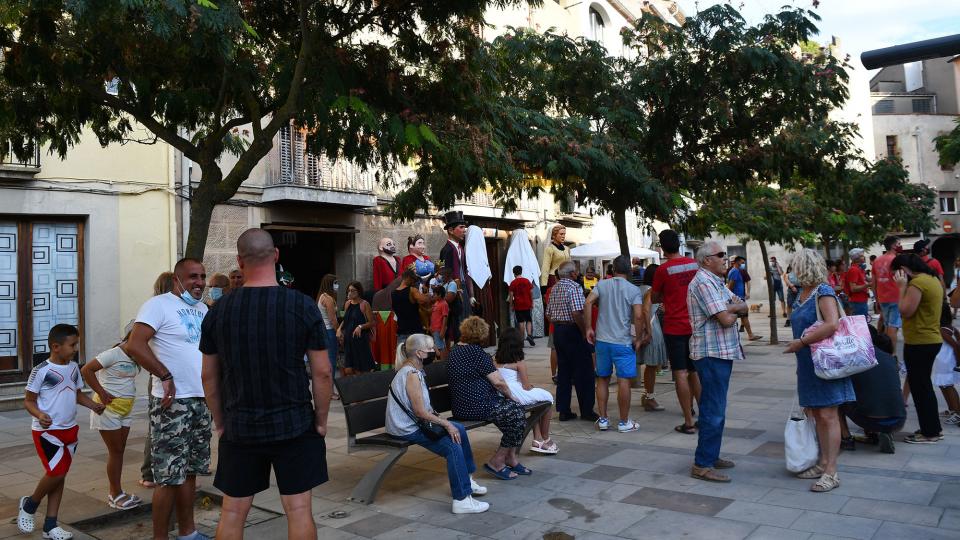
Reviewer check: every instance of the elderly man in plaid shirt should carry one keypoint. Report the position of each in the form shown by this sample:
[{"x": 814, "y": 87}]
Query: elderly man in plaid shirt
[
  {"x": 574, "y": 360},
  {"x": 714, "y": 346}
]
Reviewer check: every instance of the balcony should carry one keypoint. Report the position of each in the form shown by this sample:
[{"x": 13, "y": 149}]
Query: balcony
[
  {"x": 13, "y": 168},
  {"x": 484, "y": 204},
  {"x": 294, "y": 175}
]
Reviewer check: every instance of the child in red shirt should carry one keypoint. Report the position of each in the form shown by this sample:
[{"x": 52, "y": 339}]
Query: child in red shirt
[
  {"x": 438, "y": 321},
  {"x": 521, "y": 296}
]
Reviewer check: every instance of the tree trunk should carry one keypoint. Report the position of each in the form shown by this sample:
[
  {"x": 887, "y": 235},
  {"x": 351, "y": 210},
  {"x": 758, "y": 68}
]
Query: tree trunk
[
  {"x": 826, "y": 248},
  {"x": 202, "y": 203},
  {"x": 620, "y": 221},
  {"x": 771, "y": 294}
]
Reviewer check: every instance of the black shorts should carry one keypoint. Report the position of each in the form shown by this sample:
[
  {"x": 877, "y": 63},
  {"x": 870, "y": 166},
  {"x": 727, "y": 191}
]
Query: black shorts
[
  {"x": 523, "y": 315},
  {"x": 678, "y": 351},
  {"x": 300, "y": 464}
]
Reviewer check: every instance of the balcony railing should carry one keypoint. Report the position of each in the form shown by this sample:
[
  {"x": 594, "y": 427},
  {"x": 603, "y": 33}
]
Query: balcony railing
[
  {"x": 483, "y": 198},
  {"x": 8, "y": 159},
  {"x": 292, "y": 165}
]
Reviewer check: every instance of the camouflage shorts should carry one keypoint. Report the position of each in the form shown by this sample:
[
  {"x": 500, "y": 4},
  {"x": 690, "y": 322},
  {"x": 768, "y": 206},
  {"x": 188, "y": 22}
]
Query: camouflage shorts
[{"x": 180, "y": 440}]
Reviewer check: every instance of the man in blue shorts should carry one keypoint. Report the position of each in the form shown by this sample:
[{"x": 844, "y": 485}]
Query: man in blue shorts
[{"x": 620, "y": 304}]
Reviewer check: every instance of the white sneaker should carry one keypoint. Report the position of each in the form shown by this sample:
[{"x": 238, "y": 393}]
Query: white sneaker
[
  {"x": 477, "y": 488},
  {"x": 25, "y": 521},
  {"x": 469, "y": 505},
  {"x": 953, "y": 420},
  {"x": 603, "y": 423},
  {"x": 628, "y": 426},
  {"x": 57, "y": 533}
]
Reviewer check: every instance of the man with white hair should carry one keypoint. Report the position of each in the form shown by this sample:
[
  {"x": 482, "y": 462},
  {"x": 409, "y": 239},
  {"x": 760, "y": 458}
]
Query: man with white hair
[
  {"x": 714, "y": 346},
  {"x": 574, "y": 362},
  {"x": 856, "y": 284}
]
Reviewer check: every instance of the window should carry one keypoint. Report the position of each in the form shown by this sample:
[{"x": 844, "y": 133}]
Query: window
[
  {"x": 892, "y": 149},
  {"x": 921, "y": 105},
  {"x": 884, "y": 106},
  {"x": 596, "y": 25},
  {"x": 948, "y": 202},
  {"x": 41, "y": 284}
]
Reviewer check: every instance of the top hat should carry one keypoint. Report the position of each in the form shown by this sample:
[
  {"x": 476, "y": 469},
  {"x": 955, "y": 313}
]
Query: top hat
[{"x": 453, "y": 218}]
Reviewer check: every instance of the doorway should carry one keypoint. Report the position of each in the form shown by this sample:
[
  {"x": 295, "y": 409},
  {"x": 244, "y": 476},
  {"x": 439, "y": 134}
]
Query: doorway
[{"x": 308, "y": 255}]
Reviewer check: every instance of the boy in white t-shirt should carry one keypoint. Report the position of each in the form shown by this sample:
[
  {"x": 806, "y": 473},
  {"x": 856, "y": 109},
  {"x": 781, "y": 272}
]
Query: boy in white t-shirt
[{"x": 52, "y": 394}]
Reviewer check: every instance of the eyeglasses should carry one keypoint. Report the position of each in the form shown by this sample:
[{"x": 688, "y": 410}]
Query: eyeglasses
[{"x": 719, "y": 254}]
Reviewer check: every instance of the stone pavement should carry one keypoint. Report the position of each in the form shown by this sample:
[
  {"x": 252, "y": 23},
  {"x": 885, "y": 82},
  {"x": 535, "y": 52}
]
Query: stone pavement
[{"x": 600, "y": 485}]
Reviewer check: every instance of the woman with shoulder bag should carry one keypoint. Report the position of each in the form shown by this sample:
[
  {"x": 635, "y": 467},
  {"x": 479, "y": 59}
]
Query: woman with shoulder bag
[
  {"x": 410, "y": 417},
  {"x": 820, "y": 397}
]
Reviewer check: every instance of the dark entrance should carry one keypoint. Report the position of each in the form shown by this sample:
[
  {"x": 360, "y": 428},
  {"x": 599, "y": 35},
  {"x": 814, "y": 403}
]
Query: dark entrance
[
  {"x": 308, "y": 255},
  {"x": 946, "y": 249}
]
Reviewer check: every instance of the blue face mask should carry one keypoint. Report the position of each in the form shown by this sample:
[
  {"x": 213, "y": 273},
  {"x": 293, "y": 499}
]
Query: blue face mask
[
  {"x": 186, "y": 296},
  {"x": 216, "y": 293}
]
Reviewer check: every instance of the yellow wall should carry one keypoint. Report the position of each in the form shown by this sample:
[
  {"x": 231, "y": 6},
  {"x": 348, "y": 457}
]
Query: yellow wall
[{"x": 87, "y": 160}]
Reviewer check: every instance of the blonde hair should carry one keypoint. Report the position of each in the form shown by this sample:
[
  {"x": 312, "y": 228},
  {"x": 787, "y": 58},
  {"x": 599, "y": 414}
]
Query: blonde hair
[
  {"x": 163, "y": 284},
  {"x": 415, "y": 342},
  {"x": 474, "y": 331},
  {"x": 809, "y": 267},
  {"x": 219, "y": 280},
  {"x": 556, "y": 229}
]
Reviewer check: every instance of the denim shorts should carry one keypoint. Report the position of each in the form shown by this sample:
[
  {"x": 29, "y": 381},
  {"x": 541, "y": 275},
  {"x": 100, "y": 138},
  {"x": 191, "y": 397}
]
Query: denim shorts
[
  {"x": 438, "y": 341},
  {"x": 615, "y": 354},
  {"x": 891, "y": 314}
]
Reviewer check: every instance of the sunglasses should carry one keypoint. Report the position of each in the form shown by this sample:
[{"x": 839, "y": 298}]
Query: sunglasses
[{"x": 719, "y": 254}]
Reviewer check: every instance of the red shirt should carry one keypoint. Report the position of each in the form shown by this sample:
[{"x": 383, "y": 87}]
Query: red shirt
[
  {"x": 522, "y": 298},
  {"x": 934, "y": 265},
  {"x": 383, "y": 274},
  {"x": 440, "y": 310},
  {"x": 855, "y": 276},
  {"x": 410, "y": 259},
  {"x": 671, "y": 280},
  {"x": 887, "y": 289}
]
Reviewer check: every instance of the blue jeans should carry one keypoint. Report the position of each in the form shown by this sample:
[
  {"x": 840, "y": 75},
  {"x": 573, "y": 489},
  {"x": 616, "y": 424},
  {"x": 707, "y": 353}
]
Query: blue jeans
[
  {"x": 459, "y": 459},
  {"x": 714, "y": 382},
  {"x": 859, "y": 308}
]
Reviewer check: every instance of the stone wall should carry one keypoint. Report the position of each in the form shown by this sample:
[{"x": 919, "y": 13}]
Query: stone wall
[{"x": 226, "y": 225}]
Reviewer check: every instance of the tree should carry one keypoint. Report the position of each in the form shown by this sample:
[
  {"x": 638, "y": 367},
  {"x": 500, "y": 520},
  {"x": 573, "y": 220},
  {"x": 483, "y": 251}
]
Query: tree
[
  {"x": 378, "y": 83},
  {"x": 949, "y": 147}
]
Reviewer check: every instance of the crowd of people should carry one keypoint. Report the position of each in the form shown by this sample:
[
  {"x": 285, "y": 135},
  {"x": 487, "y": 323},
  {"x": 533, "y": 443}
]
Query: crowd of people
[{"x": 253, "y": 361}]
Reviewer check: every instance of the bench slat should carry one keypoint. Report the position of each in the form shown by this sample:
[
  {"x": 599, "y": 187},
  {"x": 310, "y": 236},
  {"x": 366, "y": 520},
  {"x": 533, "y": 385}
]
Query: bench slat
[
  {"x": 365, "y": 416},
  {"x": 364, "y": 387}
]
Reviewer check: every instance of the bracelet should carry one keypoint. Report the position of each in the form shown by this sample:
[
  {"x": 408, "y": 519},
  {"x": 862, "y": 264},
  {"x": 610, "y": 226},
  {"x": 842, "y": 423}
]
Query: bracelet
[
  {"x": 801, "y": 341},
  {"x": 166, "y": 377}
]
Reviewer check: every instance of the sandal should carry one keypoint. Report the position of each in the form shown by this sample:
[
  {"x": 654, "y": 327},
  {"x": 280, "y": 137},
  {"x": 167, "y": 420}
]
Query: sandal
[
  {"x": 541, "y": 447},
  {"x": 25, "y": 520},
  {"x": 521, "y": 470},
  {"x": 756, "y": 338},
  {"x": 813, "y": 472},
  {"x": 650, "y": 403},
  {"x": 502, "y": 474},
  {"x": 685, "y": 429},
  {"x": 147, "y": 483},
  {"x": 124, "y": 501},
  {"x": 827, "y": 482}
]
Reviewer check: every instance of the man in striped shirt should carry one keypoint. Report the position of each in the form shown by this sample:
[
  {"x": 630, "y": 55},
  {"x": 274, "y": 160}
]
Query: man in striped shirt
[
  {"x": 714, "y": 346},
  {"x": 574, "y": 361}
]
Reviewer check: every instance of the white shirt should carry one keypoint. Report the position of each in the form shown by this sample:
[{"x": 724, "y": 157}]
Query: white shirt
[
  {"x": 176, "y": 342},
  {"x": 56, "y": 387},
  {"x": 118, "y": 376}
]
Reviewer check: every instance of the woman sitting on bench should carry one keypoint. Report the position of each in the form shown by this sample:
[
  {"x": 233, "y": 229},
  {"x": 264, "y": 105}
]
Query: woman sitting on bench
[
  {"x": 479, "y": 392},
  {"x": 410, "y": 398}
]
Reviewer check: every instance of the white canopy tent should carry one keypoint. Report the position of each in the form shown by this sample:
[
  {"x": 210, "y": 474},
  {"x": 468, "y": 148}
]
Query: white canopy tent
[{"x": 608, "y": 249}]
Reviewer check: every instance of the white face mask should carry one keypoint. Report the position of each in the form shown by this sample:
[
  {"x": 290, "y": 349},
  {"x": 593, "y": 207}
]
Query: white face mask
[{"x": 336, "y": 287}]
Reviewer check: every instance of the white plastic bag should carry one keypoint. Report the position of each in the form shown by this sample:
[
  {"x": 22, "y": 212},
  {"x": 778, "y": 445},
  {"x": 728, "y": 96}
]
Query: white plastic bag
[{"x": 800, "y": 446}]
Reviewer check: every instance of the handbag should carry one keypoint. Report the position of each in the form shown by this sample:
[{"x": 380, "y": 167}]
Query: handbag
[
  {"x": 431, "y": 430},
  {"x": 800, "y": 447},
  {"x": 847, "y": 352}
]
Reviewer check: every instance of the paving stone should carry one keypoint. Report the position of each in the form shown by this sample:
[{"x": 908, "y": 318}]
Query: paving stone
[
  {"x": 677, "y": 501},
  {"x": 423, "y": 530},
  {"x": 947, "y": 496},
  {"x": 665, "y": 524},
  {"x": 742, "y": 433},
  {"x": 888, "y": 489},
  {"x": 765, "y": 392},
  {"x": 606, "y": 473},
  {"x": 806, "y": 500},
  {"x": 836, "y": 525},
  {"x": 483, "y": 524},
  {"x": 605, "y": 491},
  {"x": 950, "y": 519},
  {"x": 583, "y": 513},
  {"x": 649, "y": 461},
  {"x": 536, "y": 530},
  {"x": 373, "y": 525},
  {"x": 769, "y": 449},
  {"x": 893, "y": 511},
  {"x": 898, "y": 531},
  {"x": 933, "y": 464},
  {"x": 765, "y": 532},
  {"x": 737, "y": 490},
  {"x": 761, "y": 514}
]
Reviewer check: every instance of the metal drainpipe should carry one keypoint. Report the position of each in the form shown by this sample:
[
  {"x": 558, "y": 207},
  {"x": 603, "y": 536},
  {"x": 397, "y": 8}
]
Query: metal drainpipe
[{"x": 916, "y": 135}]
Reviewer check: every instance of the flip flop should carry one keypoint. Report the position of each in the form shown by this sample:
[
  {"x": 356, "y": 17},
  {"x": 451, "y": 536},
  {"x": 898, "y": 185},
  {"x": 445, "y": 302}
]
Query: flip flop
[
  {"x": 521, "y": 470},
  {"x": 756, "y": 338},
  {"x": 502, "y": 474},
  {"x": 685, "y": 429}
]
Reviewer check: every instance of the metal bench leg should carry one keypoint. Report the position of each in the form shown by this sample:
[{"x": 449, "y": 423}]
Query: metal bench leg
[
  {"x": 535, "y": 416},
  {"x": 366, "y": 489}
]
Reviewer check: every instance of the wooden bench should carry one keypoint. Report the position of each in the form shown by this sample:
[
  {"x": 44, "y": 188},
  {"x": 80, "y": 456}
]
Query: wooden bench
[{"x": 364, "y": 398}]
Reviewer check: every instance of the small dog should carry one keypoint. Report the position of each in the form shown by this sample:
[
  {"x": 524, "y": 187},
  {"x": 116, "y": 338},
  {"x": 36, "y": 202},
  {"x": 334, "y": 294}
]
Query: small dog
[{"x": 755, "y": 308}]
